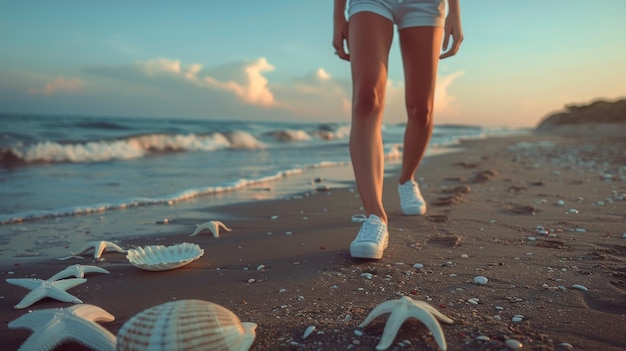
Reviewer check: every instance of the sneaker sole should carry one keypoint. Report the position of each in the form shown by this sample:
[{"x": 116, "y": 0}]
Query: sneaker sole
[
  {"x": 418, "y": 212},
  {"x": 364, "y": 253},
  {"x": 368, "y": 252}
]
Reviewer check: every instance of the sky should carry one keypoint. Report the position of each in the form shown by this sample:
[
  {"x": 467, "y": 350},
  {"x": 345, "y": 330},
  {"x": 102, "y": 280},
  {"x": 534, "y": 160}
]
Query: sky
[{"x": 273, "y": 60}]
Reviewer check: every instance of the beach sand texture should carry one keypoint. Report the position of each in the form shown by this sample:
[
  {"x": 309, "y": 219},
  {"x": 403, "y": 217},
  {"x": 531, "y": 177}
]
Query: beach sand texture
[{"x": 285, "y": 265}]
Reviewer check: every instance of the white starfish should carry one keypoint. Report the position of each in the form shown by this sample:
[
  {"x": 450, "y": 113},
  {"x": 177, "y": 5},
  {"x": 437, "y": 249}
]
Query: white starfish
[
  {"x": 43, "y": 288},
  {"x": 213, "y": 226},
  {"x": 403, "y": 309},
  {"x": 78, "y": 271},
  {"x": 52, "y": 327},
  {"x": 99, "y": 247}
]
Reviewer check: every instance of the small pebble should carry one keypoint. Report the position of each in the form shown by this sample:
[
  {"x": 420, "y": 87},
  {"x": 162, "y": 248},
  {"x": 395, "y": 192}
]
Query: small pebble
[
  {"x": 419, "y": 265},
  {"x": 514, "y": 344},
  {"x": 251, "y": 280},
  {"x": 308, "y": 331},
  {"x": 581, "y": 230},
  {"x": 282, "y": 290},
  {"x": 517, "y": 319},
  {"x": 480, "y": 280},
  {"x": 358, "y": 332},
  {"x": 483, "y": 338},
  {"x": 572, "y": 210},
  {"x": 367, "y": 275},
  {"x": 579, "y": 287},
  {"x": 566, "y": 345},
  {"x": 560, "y": 203},
  {"x": 473, "y": 301}
]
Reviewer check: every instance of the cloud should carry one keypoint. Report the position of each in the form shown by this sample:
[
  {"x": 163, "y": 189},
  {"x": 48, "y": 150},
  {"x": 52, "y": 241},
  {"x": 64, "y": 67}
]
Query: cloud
[
  {"x": 253, "y": 88},
  {"x": 160, "y": 66},
  {"x": 444, "y": 101},
  {"x": 316, "y": 94},
  {"x": 242, "y": 90},
  {"x": 242, "y": 80},
  {"x": 59, "y": 85}
]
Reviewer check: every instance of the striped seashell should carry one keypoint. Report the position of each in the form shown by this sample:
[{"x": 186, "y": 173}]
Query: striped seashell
[{"x": 186, "y": 325}]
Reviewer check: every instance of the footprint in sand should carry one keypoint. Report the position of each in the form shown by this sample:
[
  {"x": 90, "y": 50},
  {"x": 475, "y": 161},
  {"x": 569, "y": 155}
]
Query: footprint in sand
[
  {"x": 465, "y": 164},
  {"x": 461, "y": 189},
  {"x": 517, "y": 189},
  {"x": 486, "y": 175},
  {"x": 456, "y": 197},
  {"x": 448, "y": 200},
  {"x": 437, "y": 218},
  {"x": 444, "y": 241},
  {"x": 523, "y": 209}
]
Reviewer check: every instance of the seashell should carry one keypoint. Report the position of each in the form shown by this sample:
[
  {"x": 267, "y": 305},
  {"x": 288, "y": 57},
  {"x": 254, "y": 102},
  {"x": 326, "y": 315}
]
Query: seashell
[
  {"x": 579, "y": 287},
  {"x": 186, "y": 325},
  {"x": 161, "y": 258}
]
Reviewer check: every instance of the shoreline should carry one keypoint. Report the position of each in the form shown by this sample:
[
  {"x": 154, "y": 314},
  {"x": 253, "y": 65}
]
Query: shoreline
[
  {"x": 31, "y": 241},
  {"x": 309, "y": 279}
]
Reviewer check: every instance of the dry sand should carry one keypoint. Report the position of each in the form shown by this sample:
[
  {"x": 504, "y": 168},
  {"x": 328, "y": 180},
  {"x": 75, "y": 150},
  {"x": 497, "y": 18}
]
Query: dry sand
[{"x": 485, "y": 202}]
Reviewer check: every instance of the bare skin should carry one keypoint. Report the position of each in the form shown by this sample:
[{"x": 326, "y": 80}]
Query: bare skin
[{"x": 367, "y": 38}]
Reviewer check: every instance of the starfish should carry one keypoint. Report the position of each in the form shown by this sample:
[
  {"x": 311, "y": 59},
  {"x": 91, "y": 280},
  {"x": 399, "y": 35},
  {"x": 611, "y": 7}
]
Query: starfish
[
  {"x": 43, "y": 288},
  {"x": 213, "y": 226},
  {"x": 53, "y": 327},
  {"x": 99, "y": 247},
  {"x": 403, "y": 309},
  {"x": 78, "y": 271}
]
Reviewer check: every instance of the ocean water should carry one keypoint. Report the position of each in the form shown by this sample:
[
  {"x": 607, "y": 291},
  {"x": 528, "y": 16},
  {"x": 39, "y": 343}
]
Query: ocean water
[{"x": 56, "y": 166}]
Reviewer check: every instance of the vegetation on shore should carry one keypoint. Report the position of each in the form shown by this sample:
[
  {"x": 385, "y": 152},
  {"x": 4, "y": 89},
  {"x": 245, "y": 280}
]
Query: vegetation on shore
[{"x": 597, "y": 112}]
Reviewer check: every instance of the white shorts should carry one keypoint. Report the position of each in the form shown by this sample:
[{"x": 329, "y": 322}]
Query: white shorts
[{"x": 404, "y": 13}]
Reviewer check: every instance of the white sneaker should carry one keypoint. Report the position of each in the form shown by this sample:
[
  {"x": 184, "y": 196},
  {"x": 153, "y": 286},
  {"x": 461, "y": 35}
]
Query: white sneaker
[
  {"x": 372, "y": 238},
  {"x": 411, "y": 201}
]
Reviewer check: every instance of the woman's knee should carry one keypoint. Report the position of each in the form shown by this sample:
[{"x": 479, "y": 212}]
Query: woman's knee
[
  {"x": 421, "y": 114},
  {"x": 367, "y": 103}
]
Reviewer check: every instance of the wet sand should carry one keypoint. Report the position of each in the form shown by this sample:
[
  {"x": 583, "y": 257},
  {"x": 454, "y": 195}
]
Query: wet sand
[{"x": 285, "y": 265}]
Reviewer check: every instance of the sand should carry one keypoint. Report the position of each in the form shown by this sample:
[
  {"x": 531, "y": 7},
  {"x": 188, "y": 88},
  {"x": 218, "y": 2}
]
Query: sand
[{"x": 285, "y": 264}]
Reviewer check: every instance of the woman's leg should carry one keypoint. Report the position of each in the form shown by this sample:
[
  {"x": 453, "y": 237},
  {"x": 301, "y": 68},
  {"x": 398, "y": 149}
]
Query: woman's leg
[
  {"x": 369, "y": 40},
  {"x": 420, "y": 48}
]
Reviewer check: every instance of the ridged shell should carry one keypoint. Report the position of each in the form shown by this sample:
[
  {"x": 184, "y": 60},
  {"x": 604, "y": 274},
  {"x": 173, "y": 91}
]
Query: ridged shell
[
  {"x": 161, "y": 258},
  {"x": 186, "y": 325}
]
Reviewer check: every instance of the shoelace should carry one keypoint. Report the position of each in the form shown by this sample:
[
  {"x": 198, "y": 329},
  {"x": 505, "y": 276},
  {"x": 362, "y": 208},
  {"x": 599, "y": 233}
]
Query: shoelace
[
  {"x": 371, "y": 230},
  {"x": 359, "y": 218}
]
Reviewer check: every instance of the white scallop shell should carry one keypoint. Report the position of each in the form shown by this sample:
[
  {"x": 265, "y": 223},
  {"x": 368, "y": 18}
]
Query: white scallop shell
[
  {"x": 186, "y": 325},
  {"x": 161, "y": 258}
]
